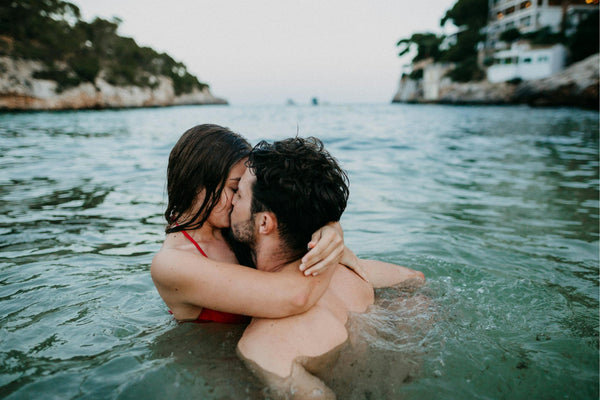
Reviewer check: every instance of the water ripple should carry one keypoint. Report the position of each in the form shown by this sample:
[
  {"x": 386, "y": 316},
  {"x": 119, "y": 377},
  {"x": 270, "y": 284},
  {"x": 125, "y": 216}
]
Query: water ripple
[{"x": 498, "y": 206}]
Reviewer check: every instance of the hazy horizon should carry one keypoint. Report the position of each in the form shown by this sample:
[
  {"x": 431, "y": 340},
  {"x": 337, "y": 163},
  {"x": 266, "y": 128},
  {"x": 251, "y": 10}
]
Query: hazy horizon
[{"x": 266, "y": 52}]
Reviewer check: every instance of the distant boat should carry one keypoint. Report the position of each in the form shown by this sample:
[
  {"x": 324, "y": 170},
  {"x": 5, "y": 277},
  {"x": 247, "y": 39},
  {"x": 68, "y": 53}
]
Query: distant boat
[{"x": 315, "y": 101}]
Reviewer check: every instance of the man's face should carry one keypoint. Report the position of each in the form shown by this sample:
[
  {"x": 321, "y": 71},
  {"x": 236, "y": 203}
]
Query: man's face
[{"x": 242, "y": 220}]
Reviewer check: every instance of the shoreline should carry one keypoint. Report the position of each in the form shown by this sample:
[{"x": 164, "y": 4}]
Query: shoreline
[
  {"x": 4, "y": 110},
  {"x": 576, "y": 87},
  {"x": 21, "y": 90}
]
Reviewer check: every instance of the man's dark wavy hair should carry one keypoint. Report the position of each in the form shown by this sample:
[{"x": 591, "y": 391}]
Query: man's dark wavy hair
[{"x": 302, "y": 184}]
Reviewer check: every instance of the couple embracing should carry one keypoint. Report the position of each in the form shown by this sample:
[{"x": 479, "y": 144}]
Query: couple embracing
[{"x": 240, "y": 221}]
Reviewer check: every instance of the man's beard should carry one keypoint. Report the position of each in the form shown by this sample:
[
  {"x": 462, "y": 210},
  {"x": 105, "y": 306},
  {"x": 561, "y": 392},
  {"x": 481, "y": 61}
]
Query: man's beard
[{"x": 243, "y": 231}]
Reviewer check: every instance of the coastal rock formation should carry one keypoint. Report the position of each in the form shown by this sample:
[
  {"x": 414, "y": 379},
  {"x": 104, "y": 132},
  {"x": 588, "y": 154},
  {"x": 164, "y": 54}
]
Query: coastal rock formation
[
  {"x": 477, "y": 93},
  {"x": 409, "y": 91},
  {"x": 19, "y": 90},
  {"x": 576, "y": 86}
]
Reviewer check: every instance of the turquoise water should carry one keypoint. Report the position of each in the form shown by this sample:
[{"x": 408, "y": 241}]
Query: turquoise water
[{"x": 498, "y": 206}]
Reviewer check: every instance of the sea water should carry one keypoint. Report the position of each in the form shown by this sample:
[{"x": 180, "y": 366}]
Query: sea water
[{"x": 498, "y": 206}]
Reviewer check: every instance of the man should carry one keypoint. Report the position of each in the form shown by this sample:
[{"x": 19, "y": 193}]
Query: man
[{"x": 289, "y": 189}]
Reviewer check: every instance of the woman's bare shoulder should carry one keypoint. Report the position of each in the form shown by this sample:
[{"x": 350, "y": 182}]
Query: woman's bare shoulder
[{"x": 172, "y": 264}]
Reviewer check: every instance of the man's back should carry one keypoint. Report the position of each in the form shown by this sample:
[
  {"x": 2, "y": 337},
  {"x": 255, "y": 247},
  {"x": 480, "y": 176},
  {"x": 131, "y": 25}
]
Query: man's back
[{"x": 281, "y": 351}]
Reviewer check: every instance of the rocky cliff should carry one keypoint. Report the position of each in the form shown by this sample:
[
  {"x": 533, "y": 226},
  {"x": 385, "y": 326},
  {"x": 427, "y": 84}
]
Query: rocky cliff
[
  {"x": 576, "y": 86},
  {"x": 19, "y": 90}
]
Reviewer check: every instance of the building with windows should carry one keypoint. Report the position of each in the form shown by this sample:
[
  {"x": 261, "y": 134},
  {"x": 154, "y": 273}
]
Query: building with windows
[
  {"x": 522, "y": 61},
  {"x": 532, "y": 15}
]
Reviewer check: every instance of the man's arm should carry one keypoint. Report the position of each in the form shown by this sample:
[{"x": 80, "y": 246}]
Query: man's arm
[{"x": 382, "y": 274}]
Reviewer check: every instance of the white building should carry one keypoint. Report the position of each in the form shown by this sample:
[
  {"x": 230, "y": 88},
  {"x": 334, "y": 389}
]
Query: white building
[
  {"x": 522, "y": 61},
  {"x": 532, "y": 15}
]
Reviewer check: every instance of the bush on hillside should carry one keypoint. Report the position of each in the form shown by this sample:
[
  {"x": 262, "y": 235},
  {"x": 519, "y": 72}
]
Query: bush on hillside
[{"x": 75, "y": 51}]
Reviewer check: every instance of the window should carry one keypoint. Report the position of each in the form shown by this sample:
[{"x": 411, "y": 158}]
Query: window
[
  {"x": 525, "y": 4},
  {"x": 527, "y": 60},
  {"x": 526, "y": 21},
  {"x": 510, "y": 10},
  {"x": 543, "y": 59}
]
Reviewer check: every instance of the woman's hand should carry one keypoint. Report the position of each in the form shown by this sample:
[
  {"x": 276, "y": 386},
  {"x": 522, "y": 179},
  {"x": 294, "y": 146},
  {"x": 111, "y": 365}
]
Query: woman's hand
[{"x": 326, "y": 249}]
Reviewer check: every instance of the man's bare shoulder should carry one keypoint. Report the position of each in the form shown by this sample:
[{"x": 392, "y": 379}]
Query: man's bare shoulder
[
  {"x": 355, "y": 293},
  {"x": 274, "y": 344}
]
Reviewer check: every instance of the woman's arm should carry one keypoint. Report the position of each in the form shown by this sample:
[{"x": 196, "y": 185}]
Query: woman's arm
[{"x": 189, "y": 280}]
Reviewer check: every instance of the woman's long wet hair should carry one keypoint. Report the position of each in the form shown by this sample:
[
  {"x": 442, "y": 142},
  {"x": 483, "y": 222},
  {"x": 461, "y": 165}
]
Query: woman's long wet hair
[{"x": 201, "y": 160}]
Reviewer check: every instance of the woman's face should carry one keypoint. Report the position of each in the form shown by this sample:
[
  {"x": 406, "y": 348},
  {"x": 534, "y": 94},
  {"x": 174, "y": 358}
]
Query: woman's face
[{"x": 219, "y": 217}]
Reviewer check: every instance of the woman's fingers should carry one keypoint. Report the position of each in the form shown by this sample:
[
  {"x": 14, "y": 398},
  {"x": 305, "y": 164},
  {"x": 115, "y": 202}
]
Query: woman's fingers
[
  {"x": 329, "y": 244},
  {"x": 330, "y": 261},
  {"x": 326, "y": 246}
]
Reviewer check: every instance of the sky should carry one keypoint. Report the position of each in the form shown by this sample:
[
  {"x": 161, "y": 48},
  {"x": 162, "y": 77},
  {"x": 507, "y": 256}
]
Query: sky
[{"x": 272, "y": 51}]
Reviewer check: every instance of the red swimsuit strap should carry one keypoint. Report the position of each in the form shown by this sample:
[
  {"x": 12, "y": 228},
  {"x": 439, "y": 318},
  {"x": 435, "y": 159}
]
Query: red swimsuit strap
[
  {"x": 187, "y": 235},
  {"x": 208, "y": 315}
]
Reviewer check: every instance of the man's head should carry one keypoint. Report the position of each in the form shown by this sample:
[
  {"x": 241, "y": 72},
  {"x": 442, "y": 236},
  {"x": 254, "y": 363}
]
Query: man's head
[{"x": 297, "y": 181}]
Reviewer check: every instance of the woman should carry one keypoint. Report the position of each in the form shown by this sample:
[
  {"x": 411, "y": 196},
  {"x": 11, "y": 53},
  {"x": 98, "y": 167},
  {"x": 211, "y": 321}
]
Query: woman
[{"x": 197, "y": 271}]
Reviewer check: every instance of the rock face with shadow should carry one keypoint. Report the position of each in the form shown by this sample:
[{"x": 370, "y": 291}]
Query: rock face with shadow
[
  {"x": 576, "y": 86},
  {"x": 19, "y": 90}
]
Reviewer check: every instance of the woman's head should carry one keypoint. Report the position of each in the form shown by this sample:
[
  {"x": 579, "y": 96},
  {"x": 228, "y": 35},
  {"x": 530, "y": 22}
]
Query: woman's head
[{"x": 200, "y": 163}]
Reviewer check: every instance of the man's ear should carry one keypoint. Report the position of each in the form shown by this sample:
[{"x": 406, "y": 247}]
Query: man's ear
[{"x": 267, "y": 223}]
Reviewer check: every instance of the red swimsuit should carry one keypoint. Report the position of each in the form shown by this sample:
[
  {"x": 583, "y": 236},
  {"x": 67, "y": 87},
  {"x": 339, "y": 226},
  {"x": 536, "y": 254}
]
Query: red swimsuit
[{"x": 208, "y": 315}]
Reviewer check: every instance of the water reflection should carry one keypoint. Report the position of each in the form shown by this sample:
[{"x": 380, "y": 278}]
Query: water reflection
[{"x": 201, "y": 358}]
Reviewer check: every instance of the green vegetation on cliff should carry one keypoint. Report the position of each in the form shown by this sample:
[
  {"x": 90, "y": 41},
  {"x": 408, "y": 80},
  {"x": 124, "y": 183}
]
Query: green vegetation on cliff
[
  {"x": 470, "y": 16},
  {"x": 74, "y": 51}
]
